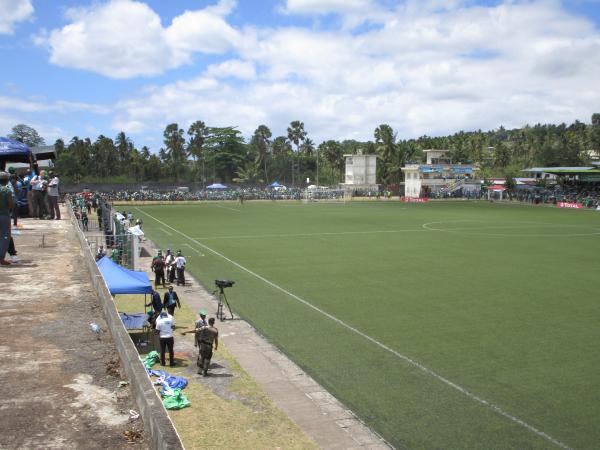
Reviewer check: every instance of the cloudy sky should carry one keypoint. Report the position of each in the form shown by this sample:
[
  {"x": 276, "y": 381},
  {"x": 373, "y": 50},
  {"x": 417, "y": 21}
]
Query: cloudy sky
[{"x": 85, "y": 68}]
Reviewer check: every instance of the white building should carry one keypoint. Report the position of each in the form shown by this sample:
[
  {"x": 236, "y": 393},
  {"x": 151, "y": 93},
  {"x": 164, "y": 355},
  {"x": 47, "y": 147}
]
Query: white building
[
  {"x": 438, "y": 175},
  {"x": 361, "y": 171}
]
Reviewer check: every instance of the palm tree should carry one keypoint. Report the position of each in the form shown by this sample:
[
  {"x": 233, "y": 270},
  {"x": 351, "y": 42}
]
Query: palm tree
[
  {"x": 261, "y": 141},
  {"x": 385, "y": 138},
  {"x": 296, "y": 134},
  {"x": 249, "y": 174}
]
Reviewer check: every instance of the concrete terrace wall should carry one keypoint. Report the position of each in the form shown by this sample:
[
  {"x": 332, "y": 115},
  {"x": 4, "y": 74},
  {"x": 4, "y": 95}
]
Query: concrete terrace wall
[{"x": 159, "y": 428}]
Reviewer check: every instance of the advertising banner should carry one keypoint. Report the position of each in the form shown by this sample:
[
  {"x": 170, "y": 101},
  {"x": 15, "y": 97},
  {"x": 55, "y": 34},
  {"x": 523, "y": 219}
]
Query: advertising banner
[
  {"x": 569, "y": 205},
  {"x": 414, "y": 199}
]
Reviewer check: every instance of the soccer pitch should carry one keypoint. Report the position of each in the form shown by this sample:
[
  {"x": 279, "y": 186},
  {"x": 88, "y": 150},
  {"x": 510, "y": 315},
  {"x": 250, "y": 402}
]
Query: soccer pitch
[{"x": 457, "y": 325}]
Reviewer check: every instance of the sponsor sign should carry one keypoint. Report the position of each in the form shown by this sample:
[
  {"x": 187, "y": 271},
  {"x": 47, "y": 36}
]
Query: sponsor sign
[
  {"x": 414, "y": 199},
  {"x": 569, "y": 205}
]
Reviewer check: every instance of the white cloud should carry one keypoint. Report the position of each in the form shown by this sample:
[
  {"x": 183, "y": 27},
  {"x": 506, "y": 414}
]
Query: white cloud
[
  {"x": 125, "y": 38},
  {"x": 233, "y": 68},
  {"x": 431, "y": 70},
  {"x": 14, "y": 11},
  {"x": 42, "y": 105},
  {"x": 327, "y": 6}
]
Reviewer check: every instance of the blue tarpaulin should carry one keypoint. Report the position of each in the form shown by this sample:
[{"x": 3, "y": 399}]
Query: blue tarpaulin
[
  {"x": 121, "y": 280},
  {"x": 15, "y": 151},
  {"x": 216, "y": 186}
]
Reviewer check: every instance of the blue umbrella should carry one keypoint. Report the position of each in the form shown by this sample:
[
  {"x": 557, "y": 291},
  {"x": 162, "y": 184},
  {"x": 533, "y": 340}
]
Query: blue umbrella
[
  {"x": 216, "y": 186},
  {"x": 11, "y": 150}
]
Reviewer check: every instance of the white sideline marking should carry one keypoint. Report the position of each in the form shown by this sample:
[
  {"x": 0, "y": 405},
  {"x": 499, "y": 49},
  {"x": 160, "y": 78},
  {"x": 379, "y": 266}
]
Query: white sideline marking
[
  {"x": 165, "y": 231},
  {"x": 197, "y": 251},
  {"x": 336, "y": 233},
  {"x": 226, "y": 207},
  {"x": 414, "y": 363}
]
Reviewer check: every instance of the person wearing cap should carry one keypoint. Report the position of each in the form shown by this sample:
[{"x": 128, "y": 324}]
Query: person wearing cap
[
  {"x": 180, "y": 267},
  {"x": 170, "y": 300},
  {"x": 6, "y": 205},
  {"x": 207, "y": 336},
  {"x": 200, "y": 323},
  {"x": 158, "y": 267},
  {"x": 164, "y": 326}
]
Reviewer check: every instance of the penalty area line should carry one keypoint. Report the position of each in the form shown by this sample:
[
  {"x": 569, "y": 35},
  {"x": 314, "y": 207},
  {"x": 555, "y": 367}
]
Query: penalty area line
[{"x": 381, "y": 345}]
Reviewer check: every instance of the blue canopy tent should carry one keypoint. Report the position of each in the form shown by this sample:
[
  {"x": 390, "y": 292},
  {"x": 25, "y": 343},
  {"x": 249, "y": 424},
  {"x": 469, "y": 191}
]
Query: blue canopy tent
[
  {"x": 120, "y": 280},
  {"x": 13, "y": 151},
  {"x": 216, "y": 186},
  {"x": 275, "y": 184}
]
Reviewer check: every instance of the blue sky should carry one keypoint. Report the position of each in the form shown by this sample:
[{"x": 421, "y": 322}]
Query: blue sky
[{"x": 85, "y": 68}]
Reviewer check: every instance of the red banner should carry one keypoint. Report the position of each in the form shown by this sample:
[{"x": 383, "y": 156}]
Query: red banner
[
  {"x": 569, "y": 205},
  {"x": 414, "y": 200}
]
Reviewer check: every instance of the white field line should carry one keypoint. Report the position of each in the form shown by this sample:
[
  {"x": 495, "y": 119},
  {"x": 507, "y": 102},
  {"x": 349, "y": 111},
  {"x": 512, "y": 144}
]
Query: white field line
[
  {"x": 196, "y": 250},
  {"x": 337, "y": 233},
  {"x": 165, "y": 231},
  {"x": 226, "y": 207},
  {"x": 381, "y": 345},
  {"x": 595, "y": 231}
]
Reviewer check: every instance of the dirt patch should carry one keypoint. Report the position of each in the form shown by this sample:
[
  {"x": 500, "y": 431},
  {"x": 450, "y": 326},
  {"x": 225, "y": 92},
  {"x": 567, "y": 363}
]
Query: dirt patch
[{"x": 58, "y": 392}]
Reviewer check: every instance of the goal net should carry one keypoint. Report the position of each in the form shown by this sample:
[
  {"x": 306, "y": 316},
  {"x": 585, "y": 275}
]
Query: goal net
[{"x": 324, "y": 195}]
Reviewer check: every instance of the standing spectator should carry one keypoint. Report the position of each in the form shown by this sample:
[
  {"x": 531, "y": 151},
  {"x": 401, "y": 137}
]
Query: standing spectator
[
  {"x": 180, "y": 267},
  {"x": 170, "y": 300},
  {"x": 27, "y": 185},
  {"x": 158, "y": 267},
  {"x": 39, "y": 186},
  {"x": 99, "y": 214},
  {"x": 165, "y": 325},
  {"x": 84, "y": 220},
  {"x": 17, "y": 188},
  {"x": 170, "y": 265},
  {"x": 207, "y": 337},
  {"x": 53, "y": 194},
  {"x": 12, "y": 251},
  {"x": 6, "y": 204}
]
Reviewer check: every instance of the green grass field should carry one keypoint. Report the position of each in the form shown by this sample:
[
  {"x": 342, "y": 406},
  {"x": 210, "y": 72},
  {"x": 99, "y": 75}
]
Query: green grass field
[{"x": 443, "y": 325}]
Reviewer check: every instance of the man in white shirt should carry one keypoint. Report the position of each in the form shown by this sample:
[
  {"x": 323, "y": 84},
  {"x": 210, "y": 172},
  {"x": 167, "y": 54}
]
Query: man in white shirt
[
  {"x": 164, "y": 326},
  {"x": 180, "y": 266},
  {"x": 53, "y": 194}
]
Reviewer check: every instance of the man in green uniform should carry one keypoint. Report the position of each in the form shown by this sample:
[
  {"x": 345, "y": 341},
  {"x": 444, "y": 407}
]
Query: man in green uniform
[
  {"x": 6, "y": 205},
  {"x": 207, "y": 336}
]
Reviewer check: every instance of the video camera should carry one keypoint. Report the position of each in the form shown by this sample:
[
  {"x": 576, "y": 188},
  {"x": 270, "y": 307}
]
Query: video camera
[{"x": 224, "y": 283}]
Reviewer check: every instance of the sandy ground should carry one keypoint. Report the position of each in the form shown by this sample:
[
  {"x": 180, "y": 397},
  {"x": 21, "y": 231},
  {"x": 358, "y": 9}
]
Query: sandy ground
[{"x": 62, "y": 386}]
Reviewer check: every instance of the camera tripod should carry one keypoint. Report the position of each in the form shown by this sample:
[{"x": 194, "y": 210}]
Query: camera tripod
[{"x": 222, "y": 300}]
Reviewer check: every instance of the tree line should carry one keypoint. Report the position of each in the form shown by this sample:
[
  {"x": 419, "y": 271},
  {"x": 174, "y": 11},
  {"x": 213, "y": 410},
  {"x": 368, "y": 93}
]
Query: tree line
[{"x": 208, "y": 154}]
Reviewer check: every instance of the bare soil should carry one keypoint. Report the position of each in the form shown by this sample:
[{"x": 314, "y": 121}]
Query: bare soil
[{"x": 61, "y": 381}]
